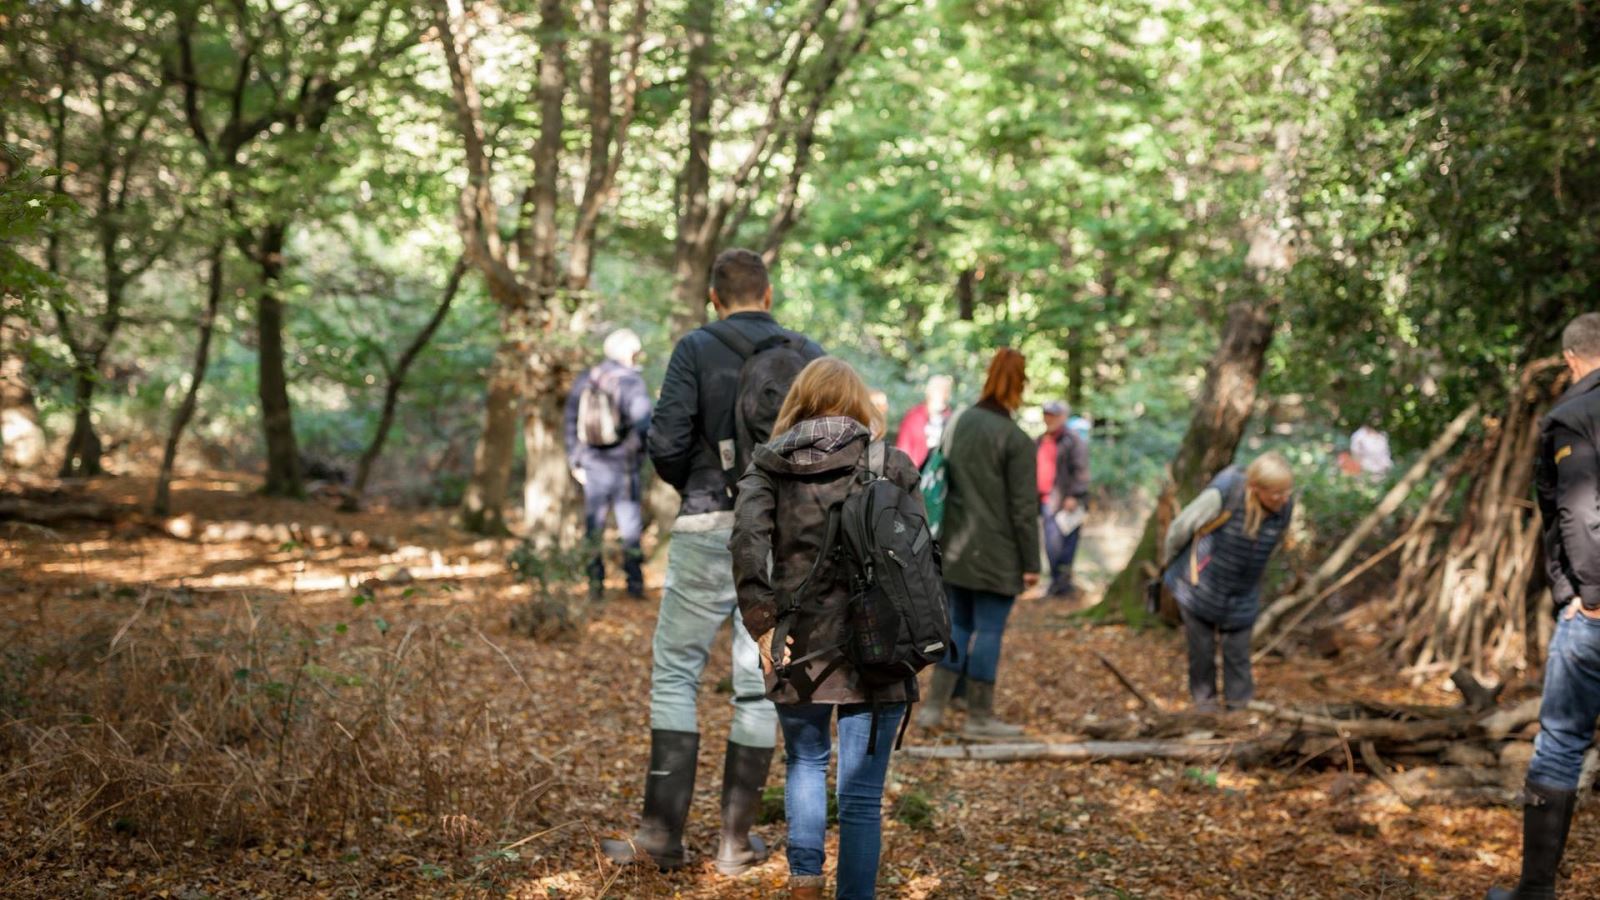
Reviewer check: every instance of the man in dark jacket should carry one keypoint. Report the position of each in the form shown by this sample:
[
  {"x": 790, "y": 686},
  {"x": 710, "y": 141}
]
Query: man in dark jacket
[
  {"x": 1565, "y": 478},
  {"x": 608, "y": 467},
  {"x": 692, "y": 445},
  {"x": 1063, "y": 490}
]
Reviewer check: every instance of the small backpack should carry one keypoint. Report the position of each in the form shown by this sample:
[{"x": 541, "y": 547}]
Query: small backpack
[
  {"x": 600, "y": 422},
  {"x": 770, "y": 368},
  {"x": 897, "y": 623}
]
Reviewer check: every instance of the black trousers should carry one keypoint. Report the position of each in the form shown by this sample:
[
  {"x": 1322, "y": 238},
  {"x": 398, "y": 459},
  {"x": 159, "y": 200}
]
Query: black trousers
[{"x": 1203, "y": 640}]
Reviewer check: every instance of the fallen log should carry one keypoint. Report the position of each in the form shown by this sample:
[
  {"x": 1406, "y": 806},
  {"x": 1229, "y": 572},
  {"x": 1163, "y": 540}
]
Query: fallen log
[
  {"x": 1363, "y": 729},
  {"x": 18, "y": 509},
  {"x": 1240, "y": 752}
]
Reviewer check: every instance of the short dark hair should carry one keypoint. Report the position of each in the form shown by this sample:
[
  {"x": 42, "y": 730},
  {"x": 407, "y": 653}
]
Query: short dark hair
[
  {"x": 1582, "y": 336},
  {"x": 739, "y": 277}
]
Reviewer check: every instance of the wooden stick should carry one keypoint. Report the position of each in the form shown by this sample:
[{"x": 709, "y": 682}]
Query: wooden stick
[
  {"x": 1146, "y": 700},
  {"x": 1244, "y": 752}
]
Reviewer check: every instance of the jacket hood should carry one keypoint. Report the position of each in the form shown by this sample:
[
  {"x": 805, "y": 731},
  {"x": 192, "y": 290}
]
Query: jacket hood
[{"x": 814, "y": 446}]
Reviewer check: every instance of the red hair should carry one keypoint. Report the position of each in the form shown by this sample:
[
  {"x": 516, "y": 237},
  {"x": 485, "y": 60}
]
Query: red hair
[{"x": 1007, "y": 375}]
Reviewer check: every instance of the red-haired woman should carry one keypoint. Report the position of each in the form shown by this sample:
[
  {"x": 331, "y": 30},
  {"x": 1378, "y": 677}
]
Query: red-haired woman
[{"x": 990, "y": 540}]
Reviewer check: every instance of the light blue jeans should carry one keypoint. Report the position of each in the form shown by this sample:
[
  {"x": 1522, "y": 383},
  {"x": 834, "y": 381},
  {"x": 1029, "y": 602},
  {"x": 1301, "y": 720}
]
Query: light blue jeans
[
  {"x": 806, "y": 742},
  {"x": 698, "y": 598}
]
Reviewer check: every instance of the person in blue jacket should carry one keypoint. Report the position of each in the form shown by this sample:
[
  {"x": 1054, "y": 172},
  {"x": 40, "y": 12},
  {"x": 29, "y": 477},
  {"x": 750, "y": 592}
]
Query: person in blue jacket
[{"x": 1217, "y": 551}]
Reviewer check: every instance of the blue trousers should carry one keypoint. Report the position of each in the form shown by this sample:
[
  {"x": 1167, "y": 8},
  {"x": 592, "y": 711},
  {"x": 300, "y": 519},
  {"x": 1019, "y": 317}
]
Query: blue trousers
[
  {"x": 1060, "y": 549},
  {"x": 614, "y": 489},
  {"x": 806, "y": 745},
  {"x": 977, "y": 626},
  {"x": 1570, "y": 705}
]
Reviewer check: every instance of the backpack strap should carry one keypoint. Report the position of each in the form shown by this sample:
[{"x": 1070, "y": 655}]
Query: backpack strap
[
  {"x": 791, "y": 605},
  {"x": 732, "y": 338},
  {"x": 877, "y": 456}
]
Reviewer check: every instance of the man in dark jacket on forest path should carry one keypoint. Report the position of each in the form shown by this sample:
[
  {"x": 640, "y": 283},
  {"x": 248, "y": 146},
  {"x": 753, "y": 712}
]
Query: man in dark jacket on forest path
[
  {"x": 693, "y": 448},
  {"x": 609, "y": 474},
  {"x": 1566, "y": 474},
  {"x": 1063, "y": 466}
]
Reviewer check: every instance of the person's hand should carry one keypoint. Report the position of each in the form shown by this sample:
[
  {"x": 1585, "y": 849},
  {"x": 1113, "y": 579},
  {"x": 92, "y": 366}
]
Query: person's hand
[
  {"x": 764, "y": 645},
  {"x": 1070, "y": 504},
  {"x": 1576, "y": 608},
  {"x": 1030, "y": 580},
  {"x": 580, "y": 476}
]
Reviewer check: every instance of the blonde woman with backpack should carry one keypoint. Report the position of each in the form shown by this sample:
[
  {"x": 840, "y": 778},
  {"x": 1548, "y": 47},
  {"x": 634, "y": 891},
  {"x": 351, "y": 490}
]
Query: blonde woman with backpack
[{"x": 824, "y": 434}]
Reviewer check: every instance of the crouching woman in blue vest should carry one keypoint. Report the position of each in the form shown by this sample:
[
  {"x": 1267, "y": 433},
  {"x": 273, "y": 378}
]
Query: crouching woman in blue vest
[{"x": 1217, "y": 551}]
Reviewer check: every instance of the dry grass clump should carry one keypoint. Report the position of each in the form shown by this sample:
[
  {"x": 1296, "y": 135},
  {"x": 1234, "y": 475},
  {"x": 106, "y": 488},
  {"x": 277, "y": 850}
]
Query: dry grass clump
[{"x": 254, "y": 730}]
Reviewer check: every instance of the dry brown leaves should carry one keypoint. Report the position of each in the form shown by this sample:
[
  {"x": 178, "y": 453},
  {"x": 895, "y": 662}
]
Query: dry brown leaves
[{"x": 427, "y": 752}]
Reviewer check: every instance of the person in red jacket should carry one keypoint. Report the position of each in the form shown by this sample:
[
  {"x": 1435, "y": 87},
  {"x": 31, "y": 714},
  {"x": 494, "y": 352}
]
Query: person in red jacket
[{"x": 924, "y": 423}]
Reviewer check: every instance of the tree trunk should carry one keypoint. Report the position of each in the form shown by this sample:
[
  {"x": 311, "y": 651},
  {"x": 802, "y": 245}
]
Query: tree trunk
[
  {"x": 549, "y": 495},
  {"x": 22, "y": 442},
  {"x": 161, "y": 503},
  {"x": 483, "y": 506},
  {"x": 277, "y": 419},
  {"x": 397, "y": 380},
  {"x": 1220, "y": 414},
  {"x": 695, "y": 249},
  {"x": 83, "y": 449},
  {"x": 966, "y": 299}
]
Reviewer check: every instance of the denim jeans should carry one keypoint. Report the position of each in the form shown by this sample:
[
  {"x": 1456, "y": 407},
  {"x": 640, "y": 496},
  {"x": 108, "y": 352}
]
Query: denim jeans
[
  {"x": 698, "y": 598},
  {"x": 806, "y": 744},
  {"x": 1060, "y": 549},
  {"x": 614, "y": 489},
  {"x": 977, "y": 625},
  {"x": 1238, "y": 683},
  {"x": 1570, "y": 705}
]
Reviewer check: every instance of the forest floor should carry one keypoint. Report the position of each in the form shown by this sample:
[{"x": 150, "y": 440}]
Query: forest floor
[{"x": 231, "y": 719}]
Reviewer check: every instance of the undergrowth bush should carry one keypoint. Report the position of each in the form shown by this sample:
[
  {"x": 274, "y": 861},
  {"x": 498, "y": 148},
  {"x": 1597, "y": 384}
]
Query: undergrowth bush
[{"x": 260, "y": 730}]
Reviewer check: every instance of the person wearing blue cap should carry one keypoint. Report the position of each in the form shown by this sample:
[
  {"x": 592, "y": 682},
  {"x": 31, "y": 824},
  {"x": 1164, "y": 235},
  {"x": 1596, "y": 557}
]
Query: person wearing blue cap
[{"x": 1063, "y": 467}]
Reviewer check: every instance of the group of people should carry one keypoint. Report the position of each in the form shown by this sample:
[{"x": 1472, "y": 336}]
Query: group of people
[{"x": 751, "y": 536}]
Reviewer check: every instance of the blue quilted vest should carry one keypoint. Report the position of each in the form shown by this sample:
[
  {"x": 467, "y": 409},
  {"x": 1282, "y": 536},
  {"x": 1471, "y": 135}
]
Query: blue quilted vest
[{"x": 1217, "y": 577}]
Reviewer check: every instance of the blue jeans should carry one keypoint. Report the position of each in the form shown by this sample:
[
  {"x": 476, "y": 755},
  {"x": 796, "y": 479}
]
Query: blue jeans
[
  {"x": 1570, "y": 705},
  {"x": 1061, "y": 549},
  {"x": 610, "y": 488},
  {"x": 977, "y": 624},
  {"x": 806, "y": 743},
  {"x": 697, "y": 599}
]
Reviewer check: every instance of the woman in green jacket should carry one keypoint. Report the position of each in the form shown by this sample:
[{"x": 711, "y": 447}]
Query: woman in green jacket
[{"x": 990, "y": 539}]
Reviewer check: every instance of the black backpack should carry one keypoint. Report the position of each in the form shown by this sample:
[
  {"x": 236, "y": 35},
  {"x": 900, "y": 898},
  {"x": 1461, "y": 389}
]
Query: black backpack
[
  {"x": 897, "y": 622},
  {"x": 770, "y": 368},
  {"x": 600, "y": 422}
]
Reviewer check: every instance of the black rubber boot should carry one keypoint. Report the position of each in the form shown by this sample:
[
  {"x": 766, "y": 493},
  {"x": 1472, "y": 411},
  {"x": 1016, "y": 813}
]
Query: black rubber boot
[
  {"x": 1546, "y": 817},
  {"x": 668, "y": 789},
  {"x": 744, "y": 774}
]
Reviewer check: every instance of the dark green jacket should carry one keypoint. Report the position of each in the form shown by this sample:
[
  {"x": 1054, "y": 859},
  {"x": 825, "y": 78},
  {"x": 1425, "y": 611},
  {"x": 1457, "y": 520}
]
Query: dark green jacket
[{"x": 991, "y": 518}]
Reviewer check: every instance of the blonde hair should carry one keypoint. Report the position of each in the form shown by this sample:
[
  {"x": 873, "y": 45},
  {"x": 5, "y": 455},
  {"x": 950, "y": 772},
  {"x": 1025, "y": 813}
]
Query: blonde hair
[
  {"x": 1271, "y": 472},
  {"x": 1007, "y": 375},
  {"x": 829, "y": 387}
]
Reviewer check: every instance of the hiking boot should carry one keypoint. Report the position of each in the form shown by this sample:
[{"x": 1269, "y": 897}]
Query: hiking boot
[
  {"x": 1546, "y": 816},
  {"x": 597, "y": 592},
  {"x": 744, "y": 774},
  {"x": 807, "y": 887},
  {"x": 943, "y": 683},
  {"x": 668, "y": 789},
  {"x": 981, "y": 723}
]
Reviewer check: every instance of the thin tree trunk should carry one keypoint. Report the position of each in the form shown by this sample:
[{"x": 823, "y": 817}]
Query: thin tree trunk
[
  {"x": 1220, "y": 414},
  {"x": 694, "y": 249},
  {"x": 397, "y": 379},
  {"x": 483, "y": 506},
  {"x": 277, "y": 418},
  {"x": 161, "y": 503},
  {"x": 83, "y": 449}
]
